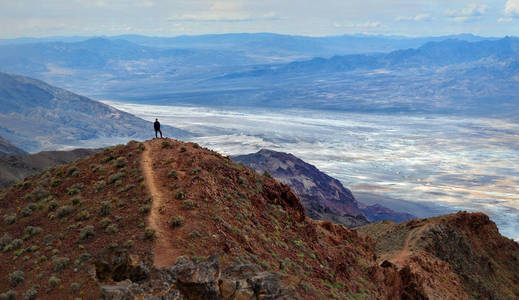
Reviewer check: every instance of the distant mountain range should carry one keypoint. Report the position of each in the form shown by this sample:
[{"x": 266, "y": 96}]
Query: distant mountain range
[
  {"x": 6, "y": 148},
  {"x": 15, "y": 168},
  {"x": 452, "y": 74},
  {"x": 38, "y": 116},
  {"x": 324, "y": 197}
]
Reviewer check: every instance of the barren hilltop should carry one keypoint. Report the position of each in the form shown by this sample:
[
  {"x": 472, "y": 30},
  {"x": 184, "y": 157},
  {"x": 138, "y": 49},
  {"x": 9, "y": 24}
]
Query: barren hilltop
[{"x": 165, "y": 219}]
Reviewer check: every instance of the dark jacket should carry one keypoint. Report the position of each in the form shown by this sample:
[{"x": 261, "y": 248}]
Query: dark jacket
[{"x": 156, "y": 125}]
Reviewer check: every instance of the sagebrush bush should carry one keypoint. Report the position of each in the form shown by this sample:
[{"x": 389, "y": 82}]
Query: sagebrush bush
[
  {"x": 5, "y": 240},
  {"x": 188, "y": 205},
  {"x": 112, "y": 228},
  {"x": 60, "y": 263},
  {"x": 105, "y": 222},
  {"x": 172, "y": 174},
  {"x": 10, "y": 219},
  {"x": 76, "y": 200},
  {"x": 145, "y": 209},
  {"x": 54, "y": 281},
  {"x": 105, "y": 208},
  {"x": 56, "y": 182},
  {"x": 31, "y": 231},
  {"x": 183, "y": 149},
  {"x": 64, "y": 211},
  {"x": 180, "y": 196},
  {"x": 83, "y": 215},
  {"x": 9, "y": 295},
  {"x": 39, "y": 194},
  {"x": 75, "y": 287},
  {"x": 121, "y": 162},
  {"x": 16, "y": 278},
  {"x": 84, "y": 257},
  {"x": 53, "y": 204},
  {"x": 32, "y": 293},
  {"x": 115, "y": 177},
  {"x": 176, "y": 221},
  {"x": 99, "y": 186},
  {"x": 149, "y": 233},
  {"x": 86, "y": 232}
]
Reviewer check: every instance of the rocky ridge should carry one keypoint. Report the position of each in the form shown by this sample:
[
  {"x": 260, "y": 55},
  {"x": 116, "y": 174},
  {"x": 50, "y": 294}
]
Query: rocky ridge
[{"x": 324, "y": 197}]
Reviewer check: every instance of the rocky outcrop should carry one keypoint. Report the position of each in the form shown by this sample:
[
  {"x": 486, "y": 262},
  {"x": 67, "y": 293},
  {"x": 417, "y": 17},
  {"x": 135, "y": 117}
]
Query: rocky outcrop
[
  {"x": 324, "y": 197},
  {"x": 188, "y": 279}
]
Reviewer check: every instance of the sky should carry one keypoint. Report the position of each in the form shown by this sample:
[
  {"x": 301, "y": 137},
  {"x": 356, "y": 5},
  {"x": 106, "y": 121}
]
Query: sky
[{"x": 40, "y": 18}]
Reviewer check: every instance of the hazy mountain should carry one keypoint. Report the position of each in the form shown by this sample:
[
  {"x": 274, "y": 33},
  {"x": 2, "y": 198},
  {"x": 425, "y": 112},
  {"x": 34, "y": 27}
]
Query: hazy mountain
[
  {"x": 15, "y": 168},
  {"x": 38, "y": 116},
  {"x": 324, "y": 197},
  {"x": 6, "y": 148}
]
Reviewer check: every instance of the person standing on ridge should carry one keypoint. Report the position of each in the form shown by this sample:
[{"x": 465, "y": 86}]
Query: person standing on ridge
[{"x": 156, "y": 125}]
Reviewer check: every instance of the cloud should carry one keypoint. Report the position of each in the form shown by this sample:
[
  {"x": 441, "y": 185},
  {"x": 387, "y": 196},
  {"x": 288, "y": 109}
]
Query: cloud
[
  {"x": 467, "y": 14},
  {"x": 224, "y": 11},
  {"x": 366, "y": 25},
  {"x": 512, "y": 8},
  {"x": 419, "y": 17}
]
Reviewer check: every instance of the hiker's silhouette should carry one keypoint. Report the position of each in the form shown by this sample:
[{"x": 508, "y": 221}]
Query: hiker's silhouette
[{"x": 156, "y": 125}]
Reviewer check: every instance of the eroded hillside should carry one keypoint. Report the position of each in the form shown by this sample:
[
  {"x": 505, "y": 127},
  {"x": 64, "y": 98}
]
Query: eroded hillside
[{"x": 172, "y": 220}]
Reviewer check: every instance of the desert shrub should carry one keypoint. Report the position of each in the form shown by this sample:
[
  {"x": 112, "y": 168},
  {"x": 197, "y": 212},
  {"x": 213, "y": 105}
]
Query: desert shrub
[
  {"x": 16, "y": 244},
  {"x": 145, "y": 209},
  {"x": 64, "y": 211},
  {"x": 26, "y": 211},
  {"x": 84, "y": 257},
  {"x": 180, "y": 196},
  {"x": 60, "y": 263},
  {"x": 196, "y": 146},
  {"x": 267, "y": 174},
  {"x": 188, "y": 205},
  {"x": 5, "y": 240},
  {"x": 149, "y": 233},
  {"x": 113, "y": 178},
  {"x": 31, "y": 293},
  {"x": 104, "y": 209},
  {"x": 241, "y": 180},
  {"x": 121, "y": 162},
  {"x": 183, "y": 149},
  {"x": 75, "y": 287},
  {"x": 105, "y": 222},
  {"x": 75, "y": 189},
  {"x": 128, "y": 244},
  {"x": 31, "y": 231},
  {"x": 196, "y": 171},
  {"x": 83, "y": 215},
  {"x": 126, "y": 188},
  {"x": 9, "y": 295},
  {"x": 194, "y": 234},
  {"x": 72, "y": 171},
  {"x": 76, "y": 200},
  {"x": 112, "y": 228},
  {"x": 10, "y": 219},
  {"x": 54, "y": 281},
  {"x": 16, "y": 278},
  {"x": 106, "y": 159},
  {"x": 176, "y": 221},
  {"x": 56, "y": 182},
  {"x": 99, "y": 186},
  {"x": 165, "y": 145},
  {"x": 172, "y": 174},
  {"x": 86, "y": 232},
  {"x": 53, "y": 204},
  {"x": 39, "y": 194}
]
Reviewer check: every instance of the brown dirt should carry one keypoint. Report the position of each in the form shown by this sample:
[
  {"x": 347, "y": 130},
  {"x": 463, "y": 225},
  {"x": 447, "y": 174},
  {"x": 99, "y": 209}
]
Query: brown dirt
[{"x": 164, "y": 253}]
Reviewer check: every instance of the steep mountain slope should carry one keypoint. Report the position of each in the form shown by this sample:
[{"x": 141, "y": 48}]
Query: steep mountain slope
[
  {"x": 15, "y": 168},
  {"x": 42, "y": 117},
  {"x": 458, "y": 256},
  {"x": 172, "y": 220},
  {"x": 6, "y": 148},
  {"x": 69, "y": 228},
  {"x": 324, "y": 197}
]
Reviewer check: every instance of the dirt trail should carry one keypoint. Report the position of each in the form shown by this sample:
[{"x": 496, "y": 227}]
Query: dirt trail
[
  {"x": 162, "y": 248},
  {"x": 404, "y": 254}
]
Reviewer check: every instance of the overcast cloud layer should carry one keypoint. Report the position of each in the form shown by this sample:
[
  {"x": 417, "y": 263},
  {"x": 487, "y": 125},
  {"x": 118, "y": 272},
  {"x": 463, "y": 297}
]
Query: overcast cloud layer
[{"x": 23, "y": 18}]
